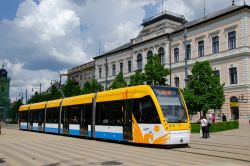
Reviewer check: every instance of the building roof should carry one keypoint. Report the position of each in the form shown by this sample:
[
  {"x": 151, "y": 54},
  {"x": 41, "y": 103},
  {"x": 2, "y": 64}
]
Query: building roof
[
  {"x": 164, "y": 15},
  {"x": 190, "y": 24},
  {"x": 212, "y": 16},
  {"x": 120, "y": 48}
]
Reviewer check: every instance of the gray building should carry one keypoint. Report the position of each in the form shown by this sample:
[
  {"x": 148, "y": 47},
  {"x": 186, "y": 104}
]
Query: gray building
[{"x": 82, "y": 73}]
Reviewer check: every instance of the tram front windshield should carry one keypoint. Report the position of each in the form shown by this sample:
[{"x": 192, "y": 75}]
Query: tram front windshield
[{"x": 171, "y": 104}]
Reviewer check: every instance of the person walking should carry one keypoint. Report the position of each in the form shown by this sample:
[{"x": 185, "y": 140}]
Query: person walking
[
  {"x": 224, "y": 118},
  {"x": 204, "y": 127}
]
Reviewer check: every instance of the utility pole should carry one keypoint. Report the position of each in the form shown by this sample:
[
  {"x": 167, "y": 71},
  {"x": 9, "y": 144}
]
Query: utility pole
[
  {"x": 26, "y": 96},
  {"x": 40, "y": 88},
  {"x": 106, "y": 72},
  {"x": 186, "y": 58}
]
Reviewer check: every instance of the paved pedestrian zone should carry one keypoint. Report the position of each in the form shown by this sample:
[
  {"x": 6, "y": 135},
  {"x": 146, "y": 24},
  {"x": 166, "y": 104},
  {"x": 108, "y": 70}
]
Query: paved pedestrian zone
[{"x": 22, "y": 148}]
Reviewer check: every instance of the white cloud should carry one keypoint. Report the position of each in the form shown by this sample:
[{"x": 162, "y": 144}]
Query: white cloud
[
  {"x": 179, "y": 7},
  {"x": 49, "y": 36}
]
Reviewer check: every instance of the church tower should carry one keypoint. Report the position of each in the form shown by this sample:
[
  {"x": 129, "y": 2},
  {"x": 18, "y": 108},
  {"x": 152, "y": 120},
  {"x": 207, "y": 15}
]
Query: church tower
[{"x": 4, "y": 93}]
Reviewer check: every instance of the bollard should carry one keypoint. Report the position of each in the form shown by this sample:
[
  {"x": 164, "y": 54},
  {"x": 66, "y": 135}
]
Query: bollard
[{"x": 0, "y": 127}]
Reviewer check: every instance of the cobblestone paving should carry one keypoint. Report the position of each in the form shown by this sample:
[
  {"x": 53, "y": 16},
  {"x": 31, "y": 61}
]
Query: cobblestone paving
[{"x": 21, "y": 148}]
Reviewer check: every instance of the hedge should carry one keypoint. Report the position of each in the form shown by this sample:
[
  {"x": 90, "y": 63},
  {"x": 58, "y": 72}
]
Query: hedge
[{"x": 216, "y": 127}]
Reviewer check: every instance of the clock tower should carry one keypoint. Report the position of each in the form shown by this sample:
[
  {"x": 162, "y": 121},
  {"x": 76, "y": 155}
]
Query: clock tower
[{"x": 4, "y": 93}]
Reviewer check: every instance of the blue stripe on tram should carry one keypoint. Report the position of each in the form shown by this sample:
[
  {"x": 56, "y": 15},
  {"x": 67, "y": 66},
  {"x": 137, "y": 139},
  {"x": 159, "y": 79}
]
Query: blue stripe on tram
[
  {"x": 23, "y": 127},
  {"x": 74, "y": 132},
  {"x": 51, "y": 130},
  {"x": 35, "y": 128},
  {"x": 108, "y": 135}
]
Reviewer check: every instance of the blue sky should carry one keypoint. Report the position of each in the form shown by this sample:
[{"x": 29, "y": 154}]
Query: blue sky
[{"x": 41, "y": 38}]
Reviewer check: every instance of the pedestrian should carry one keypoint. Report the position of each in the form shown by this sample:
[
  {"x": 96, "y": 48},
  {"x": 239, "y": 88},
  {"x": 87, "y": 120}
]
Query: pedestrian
[
  {"x": 213, "y": 118},
  {"x": 224, "y": 118},
  {"x": 204, "y": 123},
  {"x": 209, "y": 123}
]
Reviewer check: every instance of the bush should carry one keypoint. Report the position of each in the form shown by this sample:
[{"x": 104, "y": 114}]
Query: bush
[{"x": 216, "y": 127}]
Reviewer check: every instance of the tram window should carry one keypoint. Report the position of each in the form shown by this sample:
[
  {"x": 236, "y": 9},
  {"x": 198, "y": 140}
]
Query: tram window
[
  {"x": 116, "y": 113},
  {"x": 64, "y": 118},
  {"x": 52, "y": 115},
  {"x": 31, "y": 116},
  {"x": 37, "y": 116},
  {"x": 75, "y": 114},
  {"x": 102, "y": 116},
  {"x": 145, "y": 111},
  {"x": 87, "y": 114},
  {"x": 109, "y": 113},
  {"x": 23, "y": 116}
]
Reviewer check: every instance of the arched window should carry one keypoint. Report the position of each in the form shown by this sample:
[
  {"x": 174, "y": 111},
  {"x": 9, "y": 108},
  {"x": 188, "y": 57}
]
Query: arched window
[
  {"x": 139, "y": 62},
  {"x": 161, "y": 53},
  {"x": 149, "y": 54}
]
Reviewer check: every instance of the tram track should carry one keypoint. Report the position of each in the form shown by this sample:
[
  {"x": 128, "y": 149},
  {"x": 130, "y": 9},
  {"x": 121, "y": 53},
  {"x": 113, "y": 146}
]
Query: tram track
[
  {"x": 211, "y": 155},
  {"x": 223, "y": 145},
  {"x": 226, "y": 151}
]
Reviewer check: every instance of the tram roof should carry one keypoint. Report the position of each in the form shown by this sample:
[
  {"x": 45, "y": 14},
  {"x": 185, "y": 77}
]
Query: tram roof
[
  {"x": 124, "y": 93},
  {"x": 24, "y": 107},
  {"x": 76, "y": 100},
  {"x": 54, "y": 103},
  {"x": 35, "y": 106}
]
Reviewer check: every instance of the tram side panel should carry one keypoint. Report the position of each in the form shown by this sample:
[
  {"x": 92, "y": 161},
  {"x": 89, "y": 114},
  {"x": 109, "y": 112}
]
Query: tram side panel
[
  {"x": 75, "y": 119},
  {"x": 109, "y": 120},
  {"x": 52, "y": 120},
  {"x": 23, "y": 120},
  {"x": 36, "y": 120}
]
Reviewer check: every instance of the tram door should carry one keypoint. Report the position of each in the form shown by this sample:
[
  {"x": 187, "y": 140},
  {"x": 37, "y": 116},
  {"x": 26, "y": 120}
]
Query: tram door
[
  {"x": 127, "y": 125},
  {"x": 85, "y": 119},
  {"x": 65, "y": 120}
]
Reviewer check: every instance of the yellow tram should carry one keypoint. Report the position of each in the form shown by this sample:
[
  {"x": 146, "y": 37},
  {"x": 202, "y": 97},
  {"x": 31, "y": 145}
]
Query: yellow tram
[{"x": 140, "y": 114}]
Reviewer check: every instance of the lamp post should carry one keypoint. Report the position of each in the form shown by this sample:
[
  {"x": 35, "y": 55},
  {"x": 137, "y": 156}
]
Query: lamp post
[
  {"x": 40, "y": 88},
  {"x": 106, "y": 72},
  {"x": 186, "y": 58}
]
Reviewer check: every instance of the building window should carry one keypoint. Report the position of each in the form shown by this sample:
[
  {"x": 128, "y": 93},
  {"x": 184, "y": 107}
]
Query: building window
[
  {"x": 139, "y": 62},
  {"x": 100, "y": 72},
  {"x": 188, "y": 48},
  {"x": 176, "y": 55},
  {"x": 129, "y": 66},
  {"x": 176, "y": 81},
  {"x": 231, "y": 40},
  {"x": 233, "y": 75},
  {"x": 161, "y": 53},
  {"x": 217, "y": 73},
  {"x": 121, "y": 67},
  {"x": 149, "y": 54},
  {"x": 113, "y": 70},
  {"x": 201, "y": 48},
  {"x": 215, "y": 44}
]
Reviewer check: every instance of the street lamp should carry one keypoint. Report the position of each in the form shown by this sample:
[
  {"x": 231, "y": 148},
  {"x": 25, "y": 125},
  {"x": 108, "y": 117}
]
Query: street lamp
[
  {"x": 186, "y": 58},
  {"x": 40, "y": 88},
  {"x": 106, "y": 72}
]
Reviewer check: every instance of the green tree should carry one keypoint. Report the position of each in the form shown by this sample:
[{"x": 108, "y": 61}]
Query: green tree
[
  {"x": 86, "y": 88},
  {"x": 54, "y": 93},
  {"x": 14, "y": 110},
  {"x": 155, "y": 73},
  {"x": 204, "y": 90},
  {"x": 119, "y": 82},
  {"x": 91, "y": 87},
  {"x": 70, "y": 88},
  {"x": 137, "y": 79},
  {"x": 95, "y": 86},
  {"x": 35, "y": 98}
]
